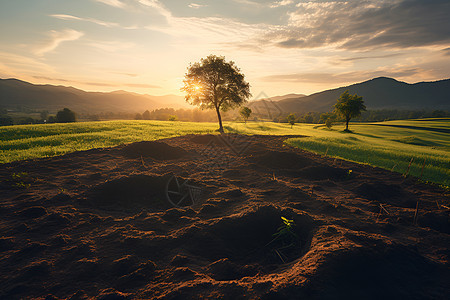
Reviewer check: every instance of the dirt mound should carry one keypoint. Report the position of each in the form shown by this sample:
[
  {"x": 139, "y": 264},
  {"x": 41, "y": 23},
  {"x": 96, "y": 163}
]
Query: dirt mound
[
  {"x": 155, "y": 150},
  {"x": 248, "y": 239},
  {"x": 386, "y": 193},
  {"x": 282, "y": 160},
  {"x": 131, "y": 192},
  {"x": 369, "y": 273},
  {"x": 206, "y": 139}
]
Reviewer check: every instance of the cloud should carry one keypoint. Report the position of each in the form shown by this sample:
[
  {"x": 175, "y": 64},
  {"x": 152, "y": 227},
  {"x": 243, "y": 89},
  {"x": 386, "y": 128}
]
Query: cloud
[
  {"x": 446, "y": 51},
  {"x": 56, "y": 38},
  {"x": 196, "y": 6},
  {"x": 157, "y": 6},
  {"x": 98, "y": 22},
  {"x": 115, "y": 3},
  {"x": 281, "y": 3},
  {"x": 367, "y": 24},
  {"x": 370, "y": 57},
  {"x": 126, "y": 74},
  {"x": 100, "y": 84},
  {"x": 248, "y": 2},
  {"x": 142, "y": 85},
  {"x": 50, "y": 78},
  {"x": 336, "y": 78},
  {"x": 16, "y": 65}
]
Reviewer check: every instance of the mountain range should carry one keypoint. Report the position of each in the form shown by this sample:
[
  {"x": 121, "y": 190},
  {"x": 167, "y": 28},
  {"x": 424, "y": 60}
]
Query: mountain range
[
  {"x": 15, "y": 93},
  {"x": 377, "y": 93}
]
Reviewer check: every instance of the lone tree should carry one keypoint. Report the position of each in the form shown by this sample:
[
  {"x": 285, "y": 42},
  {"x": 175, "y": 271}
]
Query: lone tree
[
  {"x": 245, "y": 113},
  {"x": 349, "y": 106},
  {"x": 65, "y": 116},
  {"x": 216, "y": 84},
  {"x": 291, "y": 119}
]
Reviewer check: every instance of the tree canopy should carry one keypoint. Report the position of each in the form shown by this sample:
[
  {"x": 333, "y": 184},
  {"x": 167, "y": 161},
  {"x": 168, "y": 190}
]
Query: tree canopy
[
  {"x": 214, "y": 83},
  {"x": 65, "y": 116},
  {"x": 291, "y": 119},
  {"x": 349, "y": 106},
  {"x": 245, "y": 113}
]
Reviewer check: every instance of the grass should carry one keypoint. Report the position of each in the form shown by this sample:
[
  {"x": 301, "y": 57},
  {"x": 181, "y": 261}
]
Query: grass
[
  {"x": 390, "y": 145},
  {"x": 390, "y": 148},
  {"x": 45, "y": 140}
]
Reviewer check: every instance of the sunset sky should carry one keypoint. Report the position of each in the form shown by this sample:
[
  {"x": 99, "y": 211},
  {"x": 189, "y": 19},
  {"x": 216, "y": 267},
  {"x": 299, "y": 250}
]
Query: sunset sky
[{"x": 282, "y": 47}]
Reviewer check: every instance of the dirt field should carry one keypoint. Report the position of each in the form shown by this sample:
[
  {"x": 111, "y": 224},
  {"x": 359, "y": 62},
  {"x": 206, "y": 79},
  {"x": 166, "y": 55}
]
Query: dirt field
[{"x": 123, "y": 223}]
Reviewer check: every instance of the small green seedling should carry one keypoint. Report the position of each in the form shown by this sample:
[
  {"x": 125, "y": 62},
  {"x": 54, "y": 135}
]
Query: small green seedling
[
  {"x": 285, "y": 232},
  {"x": 284, "y": 238},
  {"x": 349, "y": 173}
]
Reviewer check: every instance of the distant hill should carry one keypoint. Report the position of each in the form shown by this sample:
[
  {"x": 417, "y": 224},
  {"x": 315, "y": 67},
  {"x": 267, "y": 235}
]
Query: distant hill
[
  {"x": 16, "y": 93},
  {"x": 284, "y": 97},
  {"x": 378, "y": 93}
]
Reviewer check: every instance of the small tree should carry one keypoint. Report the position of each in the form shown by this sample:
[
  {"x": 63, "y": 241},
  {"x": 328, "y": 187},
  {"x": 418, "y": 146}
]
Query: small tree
[
  {"x": 291, "y": 119},
  {"x": 216, "y": 84},
  {"x": 245, "y": 113},
  {"x": 138, "y": 116},
  {"x": 328, "y": 119},
  {"x": 173, "y": 118},
  {"x": 349, "y": 106},
  {"x": 65, "y": 116}
]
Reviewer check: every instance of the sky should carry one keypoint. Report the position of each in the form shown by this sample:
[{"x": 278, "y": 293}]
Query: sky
[{"x": 287, "y": 46}]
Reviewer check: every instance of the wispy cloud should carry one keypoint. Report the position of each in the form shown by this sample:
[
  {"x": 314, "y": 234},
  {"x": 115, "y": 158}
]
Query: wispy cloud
[
  {"x": 370, "y": 57},
  {"x": 143, "y": 85},
  {"x": 18, "y": 65},
  {"x": 210, "y": 30},
  {"x": 196, "y": 6},
  {"x": 248, "y": 2},
  {"x": 94, "y": 83},
  {"x": 355, "y": 76},
  {"x": 281, "y": 3},
  {"x": 446, "y": 51},
  {"x": 56, "y": 38},
  {"x": 46, "y": 78},
  {"x": 98, "y": 22},
  {"x": 158, "y": 6},
  {"x": 115, "y": 3}
]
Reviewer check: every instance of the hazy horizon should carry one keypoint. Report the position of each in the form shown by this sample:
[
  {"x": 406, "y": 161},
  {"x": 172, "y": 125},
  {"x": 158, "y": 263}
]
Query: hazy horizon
[{"x": 283, "y": 47}]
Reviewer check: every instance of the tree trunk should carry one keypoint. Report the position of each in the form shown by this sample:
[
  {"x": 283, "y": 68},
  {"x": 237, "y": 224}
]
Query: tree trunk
[
  {"x": 220, "y": 120},
  {"x": 346, "y": 124}
]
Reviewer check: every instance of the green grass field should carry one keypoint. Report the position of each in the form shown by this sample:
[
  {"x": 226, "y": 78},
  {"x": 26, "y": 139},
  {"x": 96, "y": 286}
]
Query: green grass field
[{"x": 390, "y": 145}]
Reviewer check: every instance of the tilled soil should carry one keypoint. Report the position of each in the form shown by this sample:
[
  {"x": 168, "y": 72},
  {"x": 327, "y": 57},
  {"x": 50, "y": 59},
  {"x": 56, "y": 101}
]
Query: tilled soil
[{"x": 197, "y": 217}]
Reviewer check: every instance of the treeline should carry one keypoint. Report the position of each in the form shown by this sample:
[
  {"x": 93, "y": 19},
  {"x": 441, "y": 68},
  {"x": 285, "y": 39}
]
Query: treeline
[
  {"x": 366, "y": 116},
  {"x": 192, "y": 115},
  {"x": 63, "y": 116},
  {"x": 198, "y": 115}
]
